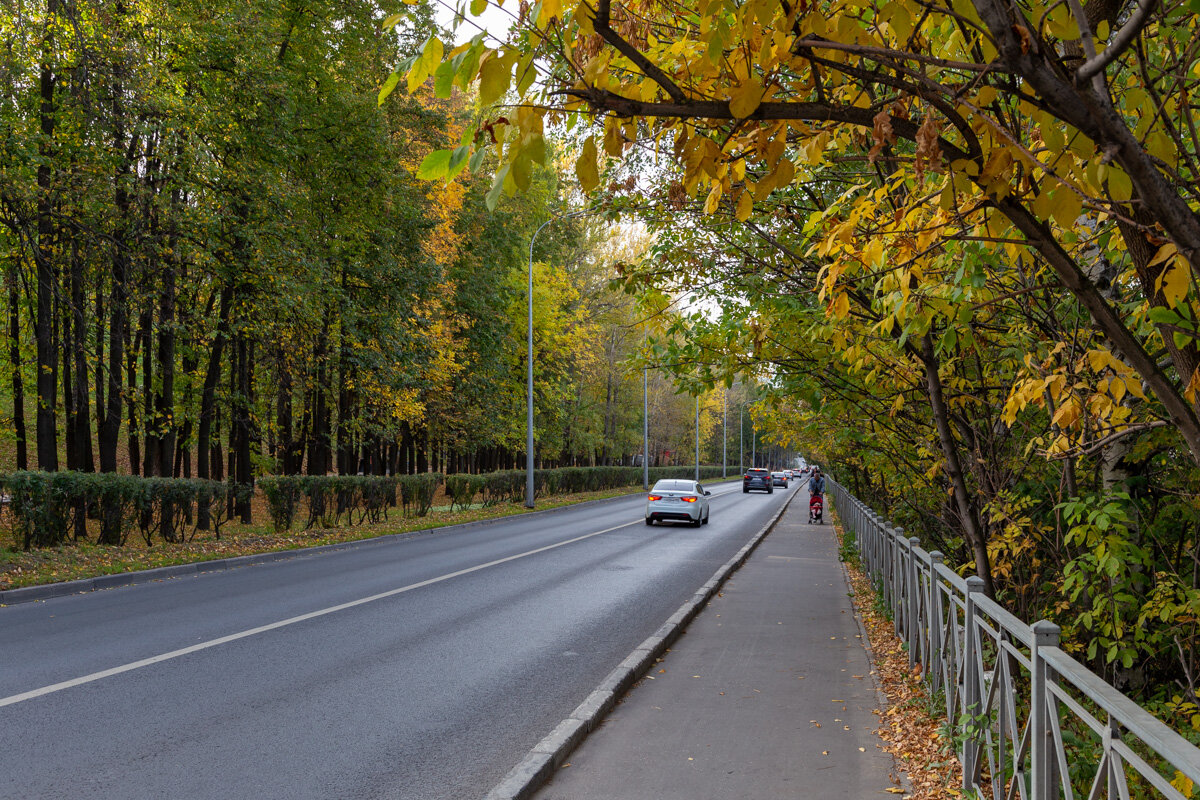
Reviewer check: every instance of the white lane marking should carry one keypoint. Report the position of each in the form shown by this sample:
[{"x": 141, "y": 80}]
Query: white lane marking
[{"x": 233, "y": 637}]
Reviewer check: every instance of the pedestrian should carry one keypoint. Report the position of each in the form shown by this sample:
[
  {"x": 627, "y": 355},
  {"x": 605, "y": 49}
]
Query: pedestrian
[{"x": 816, "y": 484}]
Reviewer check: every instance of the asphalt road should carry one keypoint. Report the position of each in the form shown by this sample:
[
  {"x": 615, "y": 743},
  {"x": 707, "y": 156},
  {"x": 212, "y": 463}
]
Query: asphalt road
[{"x": 417, "y": 667}]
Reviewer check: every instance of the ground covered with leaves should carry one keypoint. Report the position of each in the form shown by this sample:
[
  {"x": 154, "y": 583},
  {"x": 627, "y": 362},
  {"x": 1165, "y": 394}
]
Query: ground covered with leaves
[
  {"x": 912, "y": 727},
  {"x": 85, "y": 559}
]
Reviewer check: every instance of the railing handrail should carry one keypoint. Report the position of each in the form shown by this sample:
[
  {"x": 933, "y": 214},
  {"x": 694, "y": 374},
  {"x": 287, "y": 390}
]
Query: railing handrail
[{"x": 898, "y": 566}]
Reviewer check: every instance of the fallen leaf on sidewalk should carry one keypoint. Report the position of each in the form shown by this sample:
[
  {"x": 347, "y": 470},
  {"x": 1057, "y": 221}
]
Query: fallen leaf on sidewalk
[{"x": 895, "y": 790}]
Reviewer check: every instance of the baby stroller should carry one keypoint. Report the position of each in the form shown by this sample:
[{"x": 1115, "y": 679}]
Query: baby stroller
[{"x": 816, "y": 509}]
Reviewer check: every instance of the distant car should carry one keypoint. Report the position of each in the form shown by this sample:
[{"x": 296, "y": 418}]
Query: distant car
[
  {"x": 678, "y": 501},
  {"x": 790, "y": 474},
  {"x": 779, "y": 479},
  {"x": 756, "y": 478}
]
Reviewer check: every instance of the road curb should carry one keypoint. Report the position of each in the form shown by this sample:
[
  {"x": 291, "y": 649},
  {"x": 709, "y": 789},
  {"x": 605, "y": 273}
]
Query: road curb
[
  {"x": 551, "y": 752},
  {"x": 47, "y": 591}
]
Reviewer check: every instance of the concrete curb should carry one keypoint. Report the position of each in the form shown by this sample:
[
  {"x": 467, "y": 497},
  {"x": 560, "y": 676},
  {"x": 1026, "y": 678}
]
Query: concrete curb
[
  {"x": 29, "y": 594},
  {"x": 549, "y": 754}
]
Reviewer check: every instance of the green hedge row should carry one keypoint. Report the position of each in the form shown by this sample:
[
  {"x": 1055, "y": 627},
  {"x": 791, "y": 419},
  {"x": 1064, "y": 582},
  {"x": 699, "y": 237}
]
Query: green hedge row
[
  {"x": 49, "y": 508},
  {"x": 509, "y": 486},
  {"x": 358, "y": 498}
]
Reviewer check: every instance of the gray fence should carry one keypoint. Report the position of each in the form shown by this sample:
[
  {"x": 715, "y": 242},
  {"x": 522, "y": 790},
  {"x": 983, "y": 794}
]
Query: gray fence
[{"x": 1027, "y": 719}]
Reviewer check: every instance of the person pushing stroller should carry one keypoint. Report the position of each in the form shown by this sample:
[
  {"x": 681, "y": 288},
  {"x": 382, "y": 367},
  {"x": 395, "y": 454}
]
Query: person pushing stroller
[{"x": 816, "y": 496}]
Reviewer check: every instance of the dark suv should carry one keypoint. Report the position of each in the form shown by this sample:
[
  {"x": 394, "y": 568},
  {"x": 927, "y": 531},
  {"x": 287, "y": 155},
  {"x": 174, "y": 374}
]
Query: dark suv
[{"x": 757, "y": 479}]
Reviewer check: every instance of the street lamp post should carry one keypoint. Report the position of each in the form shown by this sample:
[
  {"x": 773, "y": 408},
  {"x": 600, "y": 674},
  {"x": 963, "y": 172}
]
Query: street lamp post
[
  {"x": 697, "y": 437},
  {"x": 645, "y": 429},
  {"x": 724, "y": 434},
  {"x": 529, "y": 358}
]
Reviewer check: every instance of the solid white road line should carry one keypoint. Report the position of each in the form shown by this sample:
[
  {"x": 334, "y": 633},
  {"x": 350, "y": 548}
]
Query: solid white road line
[{"x": 233, "y": 637}]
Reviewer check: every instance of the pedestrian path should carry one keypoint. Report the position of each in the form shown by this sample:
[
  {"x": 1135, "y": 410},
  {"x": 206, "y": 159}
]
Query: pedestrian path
[{"x": 768, "y": 694}]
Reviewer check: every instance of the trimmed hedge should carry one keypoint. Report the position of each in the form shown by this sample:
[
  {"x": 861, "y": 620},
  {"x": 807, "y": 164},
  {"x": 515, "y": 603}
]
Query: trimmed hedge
[
  {"x": 508, "y": 486},
  {"x": 50, "y": 508},
  {"x": 334, "y": 500}
]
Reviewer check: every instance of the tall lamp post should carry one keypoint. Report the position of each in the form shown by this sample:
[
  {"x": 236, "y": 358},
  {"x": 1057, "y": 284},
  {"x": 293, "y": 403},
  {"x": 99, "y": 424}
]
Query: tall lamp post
[
  {"x": 697, "y": 438},
  {"x": 529, "y": 359},
  {"x": 645, "y": 429}
]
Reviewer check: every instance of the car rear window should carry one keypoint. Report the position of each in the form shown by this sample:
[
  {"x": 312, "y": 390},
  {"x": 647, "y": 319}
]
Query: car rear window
[
  {"x": 674, "y": 486},
  {"x": 759, "y": 472}
]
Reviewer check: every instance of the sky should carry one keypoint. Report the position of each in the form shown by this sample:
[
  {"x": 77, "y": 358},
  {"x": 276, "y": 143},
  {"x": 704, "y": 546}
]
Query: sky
[{"x": 495, "y": 19}]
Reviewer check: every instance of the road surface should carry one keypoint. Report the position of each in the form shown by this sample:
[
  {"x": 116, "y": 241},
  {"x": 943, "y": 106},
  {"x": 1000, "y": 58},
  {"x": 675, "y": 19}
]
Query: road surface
[{"x": 416, "y": 667}]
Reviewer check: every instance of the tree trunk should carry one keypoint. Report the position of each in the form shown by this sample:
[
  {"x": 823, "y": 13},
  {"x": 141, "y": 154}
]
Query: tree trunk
[
  {"x": 47, "y": 354},
  {"x": 164, "y": 406},
  {"x": 962, "y": 500},
  {"x": 244, "y": 420},
  {"x": 84, "y": 457},
  {"x": 208, "y": 399},
  {"x": 14, "y": 357}
]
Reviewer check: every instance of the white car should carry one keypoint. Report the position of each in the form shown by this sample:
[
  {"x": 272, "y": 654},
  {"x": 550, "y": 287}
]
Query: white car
[{"x": 678, "y": 500}]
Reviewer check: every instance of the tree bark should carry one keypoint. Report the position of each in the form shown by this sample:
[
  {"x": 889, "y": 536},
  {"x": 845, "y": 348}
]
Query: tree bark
[
  {"x": 208, "y": 398},
  {"x": 47, "y": 353},
  {"x": 14, "y": 357},
  {"x": 972, "y": 531}
]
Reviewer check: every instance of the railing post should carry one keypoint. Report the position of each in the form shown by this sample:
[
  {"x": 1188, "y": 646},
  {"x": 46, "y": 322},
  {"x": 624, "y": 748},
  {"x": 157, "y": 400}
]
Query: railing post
[
  {"x": 898, "y": 611},
  {"x": 935, "y": 619},
  {"x": 971, "y": 694},
  {"x": 1041, "y": 744},
  {"x": 914, "y": 602}
]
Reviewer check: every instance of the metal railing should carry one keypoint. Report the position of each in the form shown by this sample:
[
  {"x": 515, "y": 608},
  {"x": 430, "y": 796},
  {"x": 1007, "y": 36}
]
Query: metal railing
[{"x": 1027, "y": 719}]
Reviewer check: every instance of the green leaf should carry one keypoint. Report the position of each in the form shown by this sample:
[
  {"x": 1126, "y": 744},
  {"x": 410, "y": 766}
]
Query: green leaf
[
  {"x": 478, "y": 7},
  {"x": 388, "y": 86},
  {"x": 493, "y": 195},
  {"x": 477, "y": 160},
  {"x": 526, "y": 73},
  {"x": 435, "y": 165},
  {"x": 458, "y": 160},
  {"x": 443, "y": 79},
  {"x": 1164, "y": 316},
  {"x": 494, "y": 78},
  {"x": 394, "y": 20}
]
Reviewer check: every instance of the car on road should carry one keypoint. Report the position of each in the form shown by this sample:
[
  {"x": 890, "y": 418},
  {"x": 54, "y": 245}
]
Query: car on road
[
  {"x": 674, "y": 500},
  {"x": 779, "y": 479},
  {"x": 756, "y": 478}
]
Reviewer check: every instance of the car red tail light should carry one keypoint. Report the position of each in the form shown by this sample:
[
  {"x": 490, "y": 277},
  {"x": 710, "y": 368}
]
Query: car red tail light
[
  {"x": 688, "y": 499},
  {"x": 655, "y": 497}
]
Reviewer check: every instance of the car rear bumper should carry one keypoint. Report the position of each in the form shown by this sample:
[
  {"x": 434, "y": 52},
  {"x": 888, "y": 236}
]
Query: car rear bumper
[{"x": 689, "y": 512}]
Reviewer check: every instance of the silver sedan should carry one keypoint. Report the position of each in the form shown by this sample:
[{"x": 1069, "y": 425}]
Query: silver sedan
[{"x": 678, "y": 500}]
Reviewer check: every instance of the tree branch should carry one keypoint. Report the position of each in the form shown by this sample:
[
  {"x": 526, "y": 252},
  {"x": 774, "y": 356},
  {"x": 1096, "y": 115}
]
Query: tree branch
[{"x": 1096, "y": 64}]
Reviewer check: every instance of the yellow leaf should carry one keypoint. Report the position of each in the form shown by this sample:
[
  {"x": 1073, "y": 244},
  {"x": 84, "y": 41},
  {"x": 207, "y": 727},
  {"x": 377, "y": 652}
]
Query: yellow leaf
[
  {"x": 714, "y": 198},
  {"x": 494, "y": 78},
  {"x": 1066, "y": 207},
  {"x": 1183, "y": 783},
  {"x": 1164, "y": 252},
  {"x": 585, "y": 166},
  {"x": 1067, "y": 414},
  {"x": 1175, "y": 281},
  {"x": 745, "y": 206},
  {"x": 746, "y": 98}
]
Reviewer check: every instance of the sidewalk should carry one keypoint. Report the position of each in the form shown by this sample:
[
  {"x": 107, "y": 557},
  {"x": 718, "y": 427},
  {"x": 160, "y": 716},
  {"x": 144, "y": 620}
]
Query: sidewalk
[{"x": 768, "y": 694}]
